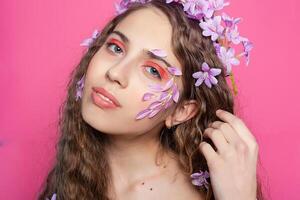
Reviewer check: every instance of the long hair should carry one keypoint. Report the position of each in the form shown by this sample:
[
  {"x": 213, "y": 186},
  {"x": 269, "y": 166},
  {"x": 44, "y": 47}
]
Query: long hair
[{"x": 81, "y": 170}]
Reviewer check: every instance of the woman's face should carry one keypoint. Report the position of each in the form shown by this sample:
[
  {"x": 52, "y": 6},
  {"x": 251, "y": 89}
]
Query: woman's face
[{"x": 123, "y": 68}]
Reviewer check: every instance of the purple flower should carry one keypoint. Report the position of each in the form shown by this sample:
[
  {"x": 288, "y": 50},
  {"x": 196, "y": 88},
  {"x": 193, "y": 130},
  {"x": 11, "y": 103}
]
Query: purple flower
[
  {"x": 230, "y": 21},
  {"x": 199, "y": 178},
  {"x": 168, "y": 93},
  {"x": 212, "y": 27},
  {"x": 87, "y": 42},
  {"x": 79, "y": 88},
  {"x": 228, "y": 58},
  {"x": 247, "y": 48},
  {"x": 53, "y": 197},
  {"x": 124, "y": 5},
  {"x": 232, "y": 35},
  {"x": 207, "y": 75},
  {"x": 217, "y": 47},
  {"x": 218, "y": 4},
  {"x": 194, "y": 7}
]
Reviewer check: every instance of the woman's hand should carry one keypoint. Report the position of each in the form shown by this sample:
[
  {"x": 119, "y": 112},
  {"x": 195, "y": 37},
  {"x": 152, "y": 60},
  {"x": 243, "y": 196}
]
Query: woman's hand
[{"x": 232, "y": 167}]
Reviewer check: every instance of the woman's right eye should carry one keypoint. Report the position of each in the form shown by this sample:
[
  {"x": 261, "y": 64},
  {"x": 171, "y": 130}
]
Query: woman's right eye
[{"x": 114, "y": 48}]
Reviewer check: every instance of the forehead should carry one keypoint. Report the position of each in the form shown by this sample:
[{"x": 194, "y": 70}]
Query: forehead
[{"x": 148, "y": 28}]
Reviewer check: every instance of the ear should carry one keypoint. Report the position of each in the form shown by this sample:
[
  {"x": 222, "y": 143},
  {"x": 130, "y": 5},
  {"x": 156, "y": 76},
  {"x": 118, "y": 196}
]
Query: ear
[{"x": 184, "y": 112}]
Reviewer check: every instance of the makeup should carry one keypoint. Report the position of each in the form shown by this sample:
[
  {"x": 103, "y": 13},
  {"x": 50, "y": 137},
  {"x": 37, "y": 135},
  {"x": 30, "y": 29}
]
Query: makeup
[
  {"x": 117, "y": 42},
  {"x": 163, "y": 73}
]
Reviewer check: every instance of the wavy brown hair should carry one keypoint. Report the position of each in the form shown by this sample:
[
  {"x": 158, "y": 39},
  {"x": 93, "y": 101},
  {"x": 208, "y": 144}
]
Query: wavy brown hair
[{"x": 81, "y": 170}]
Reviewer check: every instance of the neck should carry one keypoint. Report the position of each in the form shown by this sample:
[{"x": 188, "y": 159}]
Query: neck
[{"x": 133, "y": 159}]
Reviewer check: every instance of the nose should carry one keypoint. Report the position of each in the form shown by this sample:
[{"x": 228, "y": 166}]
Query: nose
[{"x": 120, "y": 72}]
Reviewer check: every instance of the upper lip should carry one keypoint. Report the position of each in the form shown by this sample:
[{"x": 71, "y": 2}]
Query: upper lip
[{"x": 102, "y": 91}]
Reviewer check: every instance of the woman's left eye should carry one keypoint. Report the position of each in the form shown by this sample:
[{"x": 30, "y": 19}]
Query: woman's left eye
[
  {"x": 153, "y": 71},
  {"x": 114, "y": 48}
]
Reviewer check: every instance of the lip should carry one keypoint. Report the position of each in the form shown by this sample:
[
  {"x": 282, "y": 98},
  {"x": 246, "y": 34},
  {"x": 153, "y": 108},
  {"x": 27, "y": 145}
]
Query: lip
[{"x": 102, "y": 103}]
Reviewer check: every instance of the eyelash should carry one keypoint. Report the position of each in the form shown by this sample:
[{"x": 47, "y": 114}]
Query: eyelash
[{"x": 108, "y": 45}]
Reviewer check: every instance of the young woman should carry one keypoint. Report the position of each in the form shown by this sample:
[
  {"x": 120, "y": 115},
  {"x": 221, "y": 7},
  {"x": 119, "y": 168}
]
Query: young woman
[{"x": 149, "y": 114}]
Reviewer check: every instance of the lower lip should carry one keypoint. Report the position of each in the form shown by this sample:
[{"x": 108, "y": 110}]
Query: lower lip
[{"x": 101, "y": 102}]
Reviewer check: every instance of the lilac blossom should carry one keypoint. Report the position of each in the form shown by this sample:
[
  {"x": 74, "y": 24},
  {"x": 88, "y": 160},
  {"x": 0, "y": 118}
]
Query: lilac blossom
[
  {"x": 197, "y": 9},
  {"x": 199, "y": 178},
  {"x": 212, "y": 27},
  {"x": 218, "y": 4},
  {"x": 124, "y": 4},
  {"x": 217, "y": 47},
  {"x": 79, "y": 88},
  {"x": 87, "y": 42},
  {"x": 230, "y": 21},
  {"x": 232, "y": 35},
  {"x": 247, "y": 48},
  {"x": 228, "y": 58},
  {"x": 207, "y": 75}
]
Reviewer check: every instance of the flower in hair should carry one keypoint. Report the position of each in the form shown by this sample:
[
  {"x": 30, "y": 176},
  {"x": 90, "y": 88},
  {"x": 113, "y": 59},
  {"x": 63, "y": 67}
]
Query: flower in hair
[
  {"x": 79, "y": 88},
  {"x": 212, "y": 27},
  {"x": 53, "y": 197},
  {"x": 228, "y": 58},
  {"x": 207, "y": 75},
  {"x": 198, "y": 8},
  {"x": 199, "y": 178},
  {"x": 87, "y": 42},
  {"x": 247, "y": 48},
  {"x": 230, "y": 21},
  {"x": 218, "y": 4}
]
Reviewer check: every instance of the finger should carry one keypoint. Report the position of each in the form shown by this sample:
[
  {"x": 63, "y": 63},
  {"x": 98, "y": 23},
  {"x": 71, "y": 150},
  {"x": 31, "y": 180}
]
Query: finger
[
  {"x": 237, "y": 124},
  {"x": 217, "y": 137},
  {"x": 229, "y": 133},
  {"x": 208, "y": 152}
]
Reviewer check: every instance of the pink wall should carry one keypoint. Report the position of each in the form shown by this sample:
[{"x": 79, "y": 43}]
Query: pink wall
[{"x": 40, "y": 45}]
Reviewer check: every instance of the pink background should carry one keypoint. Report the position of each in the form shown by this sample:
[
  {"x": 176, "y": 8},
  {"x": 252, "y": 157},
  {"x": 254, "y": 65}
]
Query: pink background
[{"x": 40, "y": 45}]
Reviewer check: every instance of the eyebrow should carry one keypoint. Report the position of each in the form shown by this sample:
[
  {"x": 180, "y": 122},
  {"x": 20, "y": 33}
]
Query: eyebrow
[{"x": 145, "y": 51}]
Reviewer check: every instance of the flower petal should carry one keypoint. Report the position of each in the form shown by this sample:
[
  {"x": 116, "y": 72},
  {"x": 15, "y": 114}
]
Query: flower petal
[
  {"x": 53, "y": 197},
  {"x": 175, "y": 71},
  {"x": 198, "y": 75},
  {"x": 147, "y": 96},
  {"x": 213, "y": 80},
  {"x": 215, "y": 71},
  {"x": 207, "y": 82},
  {"x": 154, "y": 105},
  {"x": 199, "y": 82},
  {"x": 143, "y": 114},
  {"x": 205, "y": 67},
  {"x": 156, "y": 87},
  {"x": 175, "y": 94},
  {"x": 153, "y": 113},
  {"x": 159, "y": 52}
]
